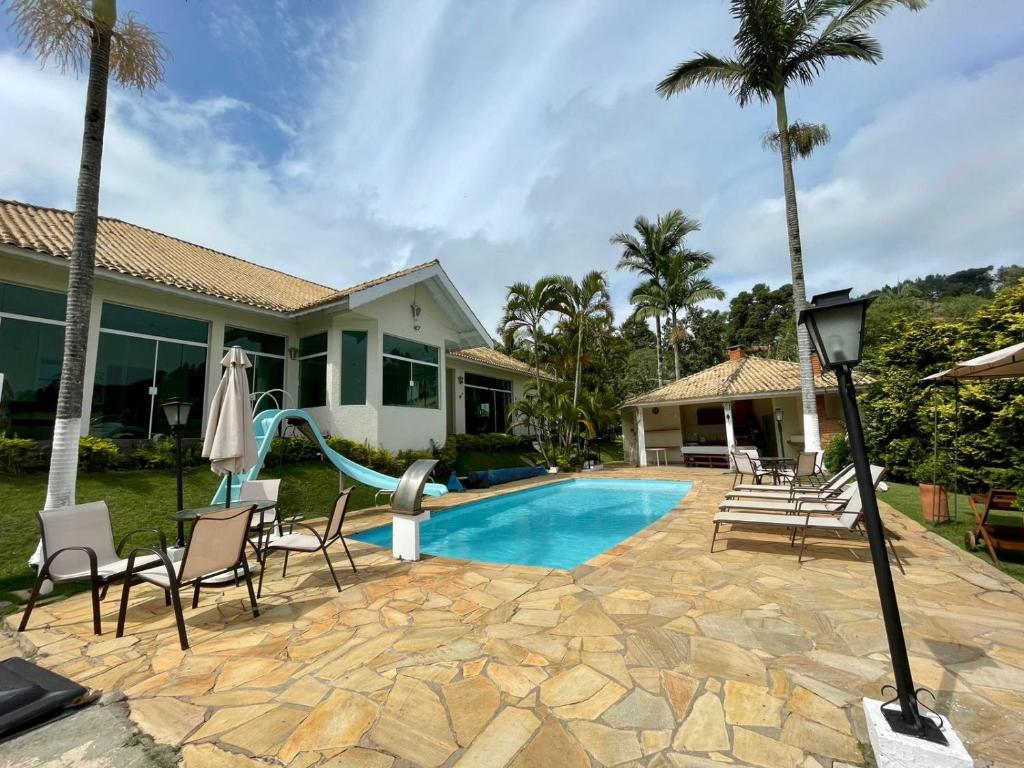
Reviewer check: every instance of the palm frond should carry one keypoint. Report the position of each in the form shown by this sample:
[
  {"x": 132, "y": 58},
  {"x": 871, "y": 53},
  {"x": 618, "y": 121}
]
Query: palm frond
[
  {"x": 707, "y": 70},
  {"x": 804, "y": 138},
  {"x": 810, "y": 62}
]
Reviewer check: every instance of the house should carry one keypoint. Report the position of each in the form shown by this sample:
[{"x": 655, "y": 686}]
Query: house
[
  {"x": 396, "y": 362},
  {"x": 745, "y": 402}
]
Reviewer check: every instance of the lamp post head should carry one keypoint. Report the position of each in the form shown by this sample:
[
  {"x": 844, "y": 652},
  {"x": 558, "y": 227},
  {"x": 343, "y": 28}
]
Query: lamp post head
[
  {"x": 176, "y": 412},
  {"x": 835, "y": 322}
]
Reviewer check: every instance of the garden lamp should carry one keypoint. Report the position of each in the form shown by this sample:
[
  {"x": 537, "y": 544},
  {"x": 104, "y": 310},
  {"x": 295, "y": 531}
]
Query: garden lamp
[
  {"x": 176, "y": 412},
  {"x": 835, "y": 323}
]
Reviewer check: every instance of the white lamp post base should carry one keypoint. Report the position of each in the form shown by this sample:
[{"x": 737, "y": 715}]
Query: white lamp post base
[
  {"x": 897, "y": 750},
  {"x": 405, "y": 536}
]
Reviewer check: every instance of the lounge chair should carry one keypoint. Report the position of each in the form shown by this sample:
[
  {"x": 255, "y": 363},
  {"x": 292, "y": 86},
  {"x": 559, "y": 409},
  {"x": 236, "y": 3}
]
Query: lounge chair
[
  {"x": 313, "y": 541},
  {"x": 806, "y": 501},
  {"x": 995, "y": 536},
  {"x": 78, "y": 545},
  {"x": 748, "y": 465},
  {"x": 217, "y": 547},
  {"x": 832, "y": 487},
  {"x": 842, "y": 513}
]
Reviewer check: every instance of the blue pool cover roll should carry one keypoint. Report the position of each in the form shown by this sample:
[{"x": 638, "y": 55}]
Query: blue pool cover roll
[{"x": 489, "y": 477}]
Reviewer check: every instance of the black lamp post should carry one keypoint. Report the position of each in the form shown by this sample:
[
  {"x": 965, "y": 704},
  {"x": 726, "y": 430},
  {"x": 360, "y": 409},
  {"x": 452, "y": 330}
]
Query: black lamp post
[
  {"x": 835, "y": 323},
  {"x": 176, "y": 412}
]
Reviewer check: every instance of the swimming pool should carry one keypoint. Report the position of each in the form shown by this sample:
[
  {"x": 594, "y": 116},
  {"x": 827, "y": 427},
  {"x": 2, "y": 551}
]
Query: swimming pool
[{"x": 560, "y": 525}]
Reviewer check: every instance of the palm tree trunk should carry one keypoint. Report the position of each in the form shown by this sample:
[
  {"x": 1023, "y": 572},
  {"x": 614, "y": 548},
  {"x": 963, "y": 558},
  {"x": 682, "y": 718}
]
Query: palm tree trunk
[
  {"x": 536, "y": 357},
  {"x": 60, "y": 487},
  {"x": 675, "y": 343},
  {"x": 579, "y": 359},
  {"x": 657, "y": 333},
  {"x": 812, "y": 438}
]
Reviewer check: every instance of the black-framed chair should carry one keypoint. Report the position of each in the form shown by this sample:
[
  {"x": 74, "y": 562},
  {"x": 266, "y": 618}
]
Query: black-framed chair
[
  {"x": 216, "y": 547},
  {"x": 78, "y": 545},
  {"x": 313, "y": 541}
]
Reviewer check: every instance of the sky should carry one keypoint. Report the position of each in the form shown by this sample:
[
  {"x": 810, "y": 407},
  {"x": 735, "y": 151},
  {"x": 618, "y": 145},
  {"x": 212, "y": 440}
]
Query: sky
[{"x": 342, "y": 140}]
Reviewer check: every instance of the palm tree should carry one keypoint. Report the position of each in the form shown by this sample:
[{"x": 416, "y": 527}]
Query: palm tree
[
  {"x": 647, "y": 251},
  {"x": 778, "y": 43},
  {"x": 585, "y": 306},
  {"x": 685, "y": 287},
  {"x": 78, "y": 35},
  {"x": 526, "y": 308}
]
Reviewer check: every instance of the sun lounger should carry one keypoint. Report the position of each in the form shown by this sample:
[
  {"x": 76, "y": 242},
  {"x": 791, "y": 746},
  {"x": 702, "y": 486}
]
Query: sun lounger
[
  {"x": 831, "y": 488},
  {"x": 811, "y": 501},
  {"x": 842, "y": 513}
]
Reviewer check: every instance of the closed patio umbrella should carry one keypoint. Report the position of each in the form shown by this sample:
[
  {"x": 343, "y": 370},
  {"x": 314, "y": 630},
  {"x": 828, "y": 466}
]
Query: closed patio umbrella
[{"x": 230, "y": 438}]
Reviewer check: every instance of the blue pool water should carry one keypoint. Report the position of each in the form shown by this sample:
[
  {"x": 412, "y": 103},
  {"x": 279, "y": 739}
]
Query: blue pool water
[{"x": 557, "y": 526}]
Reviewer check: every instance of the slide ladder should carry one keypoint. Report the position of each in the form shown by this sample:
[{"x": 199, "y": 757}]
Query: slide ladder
[{"x": 265, "y": 424}]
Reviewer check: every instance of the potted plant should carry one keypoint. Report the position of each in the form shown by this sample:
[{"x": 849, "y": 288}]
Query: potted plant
[{"x": 933, "y": 478}]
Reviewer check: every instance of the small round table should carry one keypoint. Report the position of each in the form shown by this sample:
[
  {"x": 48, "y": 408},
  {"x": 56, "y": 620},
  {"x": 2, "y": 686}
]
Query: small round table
[
  {"x": 777, "y": 465},
  {"x": 183, "y": 516}
]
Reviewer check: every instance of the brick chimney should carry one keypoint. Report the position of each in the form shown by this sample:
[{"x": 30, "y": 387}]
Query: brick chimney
[
  {"x": 815, "y": 364},
  {"x": 737, "y": 352}
]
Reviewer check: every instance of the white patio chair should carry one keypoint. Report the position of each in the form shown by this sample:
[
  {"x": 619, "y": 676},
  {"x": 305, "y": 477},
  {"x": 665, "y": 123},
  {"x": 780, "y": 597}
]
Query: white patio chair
[{"x": 78, "y": 545}]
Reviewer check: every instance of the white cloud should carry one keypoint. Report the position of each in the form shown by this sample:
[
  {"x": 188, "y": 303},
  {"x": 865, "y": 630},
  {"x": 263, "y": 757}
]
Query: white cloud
[{"x": 510, "y": 140}]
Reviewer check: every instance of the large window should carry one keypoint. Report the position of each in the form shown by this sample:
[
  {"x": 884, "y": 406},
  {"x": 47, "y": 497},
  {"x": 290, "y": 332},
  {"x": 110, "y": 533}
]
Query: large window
[
  {"x": 410, "y": 373},
  {"x": 313, "y": 371},
  {"x": 266, "y": 353},
  {"x": 487, "y": 404},
  {"x": 353, "y": 367},
  {"x": 31, "y": 351},
  {"x": 145, "y": 358}
]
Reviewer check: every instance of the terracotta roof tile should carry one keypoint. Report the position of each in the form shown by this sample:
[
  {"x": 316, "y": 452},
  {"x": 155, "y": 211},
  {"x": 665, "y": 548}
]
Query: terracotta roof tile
[
  {"x": 133, "y": 250},
  {"x": 748, "y": 376},
  {"x": 495, "y": 359}
]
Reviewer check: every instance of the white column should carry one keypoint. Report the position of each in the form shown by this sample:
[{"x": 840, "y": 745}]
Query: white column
[
  {"x": 779, "y": 445},
  {"x": 641, "y": 438},
  {"x": 458, "y": 395},
  {"x": 730, "y": 435}
]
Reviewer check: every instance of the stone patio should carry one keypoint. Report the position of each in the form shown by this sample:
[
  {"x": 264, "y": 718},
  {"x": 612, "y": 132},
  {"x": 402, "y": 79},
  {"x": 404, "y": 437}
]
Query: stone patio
[{"x": 654, "y": 653}]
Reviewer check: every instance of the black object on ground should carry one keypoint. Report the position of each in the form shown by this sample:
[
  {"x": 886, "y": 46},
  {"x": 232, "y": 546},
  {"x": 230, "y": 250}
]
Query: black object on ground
[{"x": 30, "y": 695}]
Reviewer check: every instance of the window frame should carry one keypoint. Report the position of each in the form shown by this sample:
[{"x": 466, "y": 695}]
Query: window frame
[
  {"x": 411, "y": 361},
  {"x": 254, "y": 354},
  {"x": 312, "y": 356}
]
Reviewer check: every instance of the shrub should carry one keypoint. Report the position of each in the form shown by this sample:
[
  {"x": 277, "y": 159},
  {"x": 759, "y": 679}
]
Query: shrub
[
  {"x": 20, "y": 456},
  {"x": 156, "y": 454},
  {"x": 837, "y": 453},
  {"x": 96, "y": 454}
]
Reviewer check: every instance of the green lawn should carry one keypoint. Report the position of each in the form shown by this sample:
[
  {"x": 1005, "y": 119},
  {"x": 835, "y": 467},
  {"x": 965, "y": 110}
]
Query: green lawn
[
  {"x": 145, "y": 499},
  {"x": 907, "y": 499}
]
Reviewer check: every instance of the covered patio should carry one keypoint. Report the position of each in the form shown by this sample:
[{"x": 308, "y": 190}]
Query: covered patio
[
  {"x": 745, "y": 402},
  {"x": 656, "y": 652}
]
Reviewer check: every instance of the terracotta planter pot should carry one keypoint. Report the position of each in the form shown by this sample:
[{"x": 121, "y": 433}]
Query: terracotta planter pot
[{"x": 934, "y": 503}]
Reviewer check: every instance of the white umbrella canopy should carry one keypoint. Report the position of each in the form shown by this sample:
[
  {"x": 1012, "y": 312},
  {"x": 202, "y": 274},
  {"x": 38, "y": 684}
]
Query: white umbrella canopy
[
  {"x": 1001, "y": 364},
  {"x": 230, "y": 438}
]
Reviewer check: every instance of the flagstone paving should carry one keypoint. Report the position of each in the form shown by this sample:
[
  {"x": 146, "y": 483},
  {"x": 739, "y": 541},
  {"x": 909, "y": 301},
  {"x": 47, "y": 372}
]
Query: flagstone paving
[{"x": 655, "y": 653}]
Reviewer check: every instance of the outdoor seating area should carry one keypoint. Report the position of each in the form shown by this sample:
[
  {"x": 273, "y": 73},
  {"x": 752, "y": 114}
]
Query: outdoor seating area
[{"x": 657, "y": 647}]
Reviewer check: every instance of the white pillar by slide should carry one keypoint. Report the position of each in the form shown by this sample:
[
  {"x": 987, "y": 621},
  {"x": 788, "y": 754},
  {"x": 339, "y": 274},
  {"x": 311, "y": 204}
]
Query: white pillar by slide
[
  {"x": 730, "y": 434},
  {"x": 641, "y": 438},
  {"x": 405, "y": 536}
]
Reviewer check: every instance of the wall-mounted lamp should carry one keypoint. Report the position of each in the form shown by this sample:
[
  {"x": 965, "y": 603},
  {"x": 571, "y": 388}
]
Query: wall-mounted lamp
[
  {"x": 462, "y": 379},
  {"x": 778, "y": 414},
  {"x": 293, "y": 353}
]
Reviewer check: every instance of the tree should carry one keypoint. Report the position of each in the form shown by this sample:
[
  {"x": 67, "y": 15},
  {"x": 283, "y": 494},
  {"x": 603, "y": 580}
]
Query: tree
[
  {"x": 584, "y": 305},
  {"x": 78, "y": 35},
  {"x": 526, "y": 308},
  {"x": 762, "y": 317},
  {"x": 779, "y": 43},
  {"x": 686, "y": 287},
  {"x": 646, "y": 251},
  {"x": 708, "y": 340},
  {"x": 637, "y": 334}
]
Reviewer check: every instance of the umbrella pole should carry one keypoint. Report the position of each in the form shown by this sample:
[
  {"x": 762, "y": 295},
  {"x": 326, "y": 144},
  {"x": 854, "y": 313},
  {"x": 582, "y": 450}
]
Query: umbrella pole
[
  {"x": 956, "y": 450},
  {"x": 227, "y": 493}
]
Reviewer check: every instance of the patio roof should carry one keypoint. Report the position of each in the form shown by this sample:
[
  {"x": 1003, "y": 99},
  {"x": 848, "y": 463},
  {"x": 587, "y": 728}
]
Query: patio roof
[
  {"x": 492, "y": 358},
  {"x": 741, "y": 379}
]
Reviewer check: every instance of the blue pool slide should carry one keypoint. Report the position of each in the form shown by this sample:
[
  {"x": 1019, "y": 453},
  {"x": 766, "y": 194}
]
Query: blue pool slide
[{"x": 266, "y": 422}]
